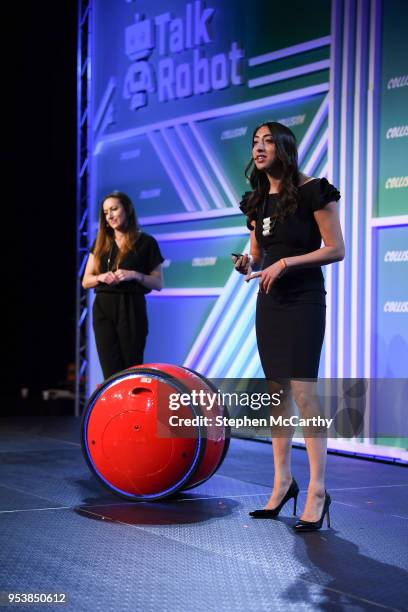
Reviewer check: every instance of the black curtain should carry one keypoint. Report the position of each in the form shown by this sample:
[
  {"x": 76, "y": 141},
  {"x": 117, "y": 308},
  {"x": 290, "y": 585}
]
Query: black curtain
[{"x": 39, "y": 158}]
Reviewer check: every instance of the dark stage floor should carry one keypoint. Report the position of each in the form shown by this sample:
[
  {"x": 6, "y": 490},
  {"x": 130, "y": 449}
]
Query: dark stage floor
[{"x": 201, "y": 551}]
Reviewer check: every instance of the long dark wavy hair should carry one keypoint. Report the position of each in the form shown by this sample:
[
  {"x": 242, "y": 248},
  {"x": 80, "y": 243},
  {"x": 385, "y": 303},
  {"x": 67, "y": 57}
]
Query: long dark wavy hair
[
  {"x": 285, "y": 167},
  {"x": 106, "y": 236}
]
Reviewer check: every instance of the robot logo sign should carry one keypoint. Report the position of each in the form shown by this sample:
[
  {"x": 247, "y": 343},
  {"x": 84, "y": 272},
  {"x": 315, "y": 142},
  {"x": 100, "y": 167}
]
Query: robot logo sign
[{"x": 169, "y": 36}]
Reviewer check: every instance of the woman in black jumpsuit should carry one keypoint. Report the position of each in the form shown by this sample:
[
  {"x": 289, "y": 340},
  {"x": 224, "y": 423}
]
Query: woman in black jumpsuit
[
  {"x": 289, "y": 214},
  {"x": 124, "y": 264}
]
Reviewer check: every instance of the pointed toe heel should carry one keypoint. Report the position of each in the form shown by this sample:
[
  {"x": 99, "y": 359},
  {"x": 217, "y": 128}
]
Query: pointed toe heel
[
  {"x": 304, "y": 526},
  {"x": 292, "y": 492}
]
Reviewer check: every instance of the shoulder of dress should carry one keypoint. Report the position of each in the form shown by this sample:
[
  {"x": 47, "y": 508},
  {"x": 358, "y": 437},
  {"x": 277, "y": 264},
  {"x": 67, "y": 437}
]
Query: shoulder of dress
[
  {"x": 244, "y": 203},
  {"x": 142, "y": 236},
  {"x": 320, "y": 193},
  {"x": 310, "y": 181}
]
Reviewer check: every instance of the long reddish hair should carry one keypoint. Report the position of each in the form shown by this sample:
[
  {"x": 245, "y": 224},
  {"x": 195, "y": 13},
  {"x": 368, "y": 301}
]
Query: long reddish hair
[{"x": 106, "y": 237}]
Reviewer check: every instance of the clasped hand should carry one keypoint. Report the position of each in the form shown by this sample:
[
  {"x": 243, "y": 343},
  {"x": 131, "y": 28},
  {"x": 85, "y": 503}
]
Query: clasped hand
[
  {"x": 125, "y": 275},
  {"x": 113, "y": 278}
]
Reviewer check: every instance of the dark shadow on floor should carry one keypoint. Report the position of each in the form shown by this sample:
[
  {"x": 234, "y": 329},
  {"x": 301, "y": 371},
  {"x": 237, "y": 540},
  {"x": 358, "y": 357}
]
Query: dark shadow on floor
[
  {"x": 347, "y": 573},
  {"x": 160, "y": 512}
]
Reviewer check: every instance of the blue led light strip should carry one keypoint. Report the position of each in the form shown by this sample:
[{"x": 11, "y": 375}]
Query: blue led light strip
[
  {"x": 316, "y": 43},
  {"x": 189, "y": 147},
  {"x": 171, "y": 170},
  {"x": 189, "y": 179}
]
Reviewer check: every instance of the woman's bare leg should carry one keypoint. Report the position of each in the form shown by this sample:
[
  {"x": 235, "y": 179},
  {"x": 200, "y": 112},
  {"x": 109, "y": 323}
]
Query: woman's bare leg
[
  {"x": 307, "y": 400},
  {"x": 281, "y": 446}
]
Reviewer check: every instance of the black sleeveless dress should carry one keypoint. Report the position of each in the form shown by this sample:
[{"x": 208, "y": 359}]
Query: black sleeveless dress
[{"x": 290, "y": 320}]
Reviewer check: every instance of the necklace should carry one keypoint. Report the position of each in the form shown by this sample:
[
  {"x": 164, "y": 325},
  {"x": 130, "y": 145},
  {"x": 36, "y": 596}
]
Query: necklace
[
  {"x": 268, "y": 223},
  {"x": 110, "y": 257}
]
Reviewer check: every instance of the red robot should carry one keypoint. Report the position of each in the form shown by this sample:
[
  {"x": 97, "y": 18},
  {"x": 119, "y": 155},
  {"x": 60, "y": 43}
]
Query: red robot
[{"x": 153, "y": 430}]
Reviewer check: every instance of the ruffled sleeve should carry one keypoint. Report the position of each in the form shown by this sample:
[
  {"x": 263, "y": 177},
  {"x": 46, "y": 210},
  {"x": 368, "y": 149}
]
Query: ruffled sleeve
[
  {"x": 244, "y": 206},
  {"x": 324, "y": 193}
]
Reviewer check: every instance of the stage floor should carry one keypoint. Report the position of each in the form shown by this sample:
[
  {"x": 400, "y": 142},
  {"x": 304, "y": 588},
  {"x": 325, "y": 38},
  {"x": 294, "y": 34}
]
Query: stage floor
[{"x": 61, "y": 532}]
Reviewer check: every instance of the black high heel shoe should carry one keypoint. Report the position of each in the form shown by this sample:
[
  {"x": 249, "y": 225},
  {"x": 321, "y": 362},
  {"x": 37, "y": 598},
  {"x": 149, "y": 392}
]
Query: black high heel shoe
[
  {"x": 303, "y": 526},
  {"x": 293, "y": 491}
]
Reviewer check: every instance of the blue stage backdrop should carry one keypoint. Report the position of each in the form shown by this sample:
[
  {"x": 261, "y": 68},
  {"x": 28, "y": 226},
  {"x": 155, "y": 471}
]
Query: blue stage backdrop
[{"x": 176, "y": 90}]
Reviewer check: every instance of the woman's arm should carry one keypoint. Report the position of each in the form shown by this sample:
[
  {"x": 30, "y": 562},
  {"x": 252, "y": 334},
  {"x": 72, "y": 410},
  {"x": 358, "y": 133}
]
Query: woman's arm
[
  {"x": 330, "y": 230},
  {"x": 90, "y": 279},
  {"x": 333, "y": 250},
  {"x": 255, "y": 248},
  {"x": 243, "y": 263},
  {"x": 154, "y": 280}
]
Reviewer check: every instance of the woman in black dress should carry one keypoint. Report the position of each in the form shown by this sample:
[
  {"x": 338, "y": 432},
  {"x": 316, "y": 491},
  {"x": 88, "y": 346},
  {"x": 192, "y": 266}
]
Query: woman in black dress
[
  {"x": 289, "y": 214},
  {"x": 124, "y": 264}
]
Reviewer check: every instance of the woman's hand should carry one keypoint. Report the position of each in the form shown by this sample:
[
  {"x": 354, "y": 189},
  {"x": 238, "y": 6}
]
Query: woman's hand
[
  {"x": 268, "y": 276},
  {"x": 108, "y": 278},
  {"x": 242, "y": 265},
  {"x": 126, "y": 275}
]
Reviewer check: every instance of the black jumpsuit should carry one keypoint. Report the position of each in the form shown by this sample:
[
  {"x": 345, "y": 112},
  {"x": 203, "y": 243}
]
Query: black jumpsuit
[
  {"x": 290, "y": 320},
  {"x": 119, "y": 311}
]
